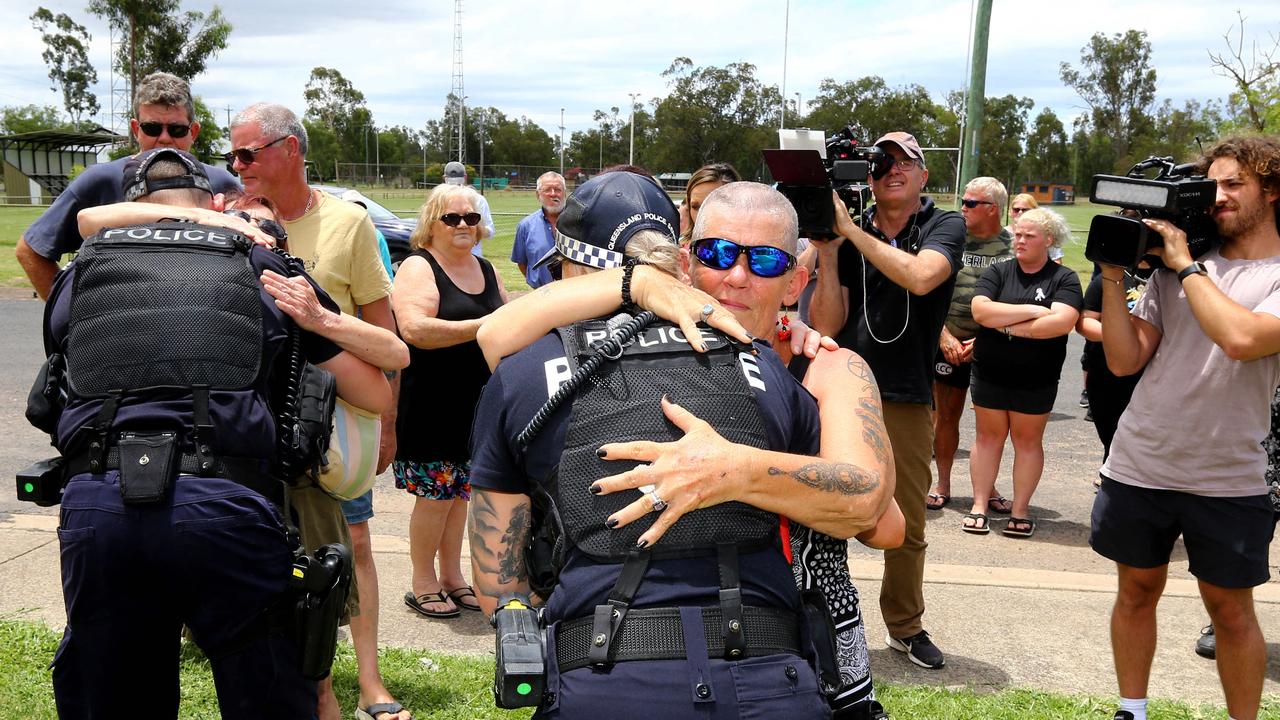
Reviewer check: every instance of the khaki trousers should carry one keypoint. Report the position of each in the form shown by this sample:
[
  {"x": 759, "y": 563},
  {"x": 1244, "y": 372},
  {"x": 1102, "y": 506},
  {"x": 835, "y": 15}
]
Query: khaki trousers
[{"x": 910, "y": 428}]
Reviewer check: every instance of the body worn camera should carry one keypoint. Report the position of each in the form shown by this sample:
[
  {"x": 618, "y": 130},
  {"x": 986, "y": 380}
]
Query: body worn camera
[
  {"x": 42, "y": 483},
  {"x": 807, "y": 176},
  {"x": 1176, "y": 194},
  {"x": 520, "y": 670}
]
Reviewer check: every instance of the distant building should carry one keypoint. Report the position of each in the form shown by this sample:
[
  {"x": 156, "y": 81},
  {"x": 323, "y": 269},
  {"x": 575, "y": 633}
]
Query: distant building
[
  {"x": 674, "y": 181},
  {"x": 1051, "y": 193},
  {"x": 38, "y": 165}
]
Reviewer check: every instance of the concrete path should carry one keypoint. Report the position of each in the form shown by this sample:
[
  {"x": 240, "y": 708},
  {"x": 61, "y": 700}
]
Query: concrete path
[{"x": 1007, "y": 612}]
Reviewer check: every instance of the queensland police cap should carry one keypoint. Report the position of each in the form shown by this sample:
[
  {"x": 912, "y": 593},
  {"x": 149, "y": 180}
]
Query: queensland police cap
[
  {"x": 137, "y": 184},
  {"x": 604, "y": 213}
]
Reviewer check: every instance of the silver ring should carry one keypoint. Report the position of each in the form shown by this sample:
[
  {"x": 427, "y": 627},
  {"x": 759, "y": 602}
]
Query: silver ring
[
  {"x": 658, "y": 503},
  {"x": 707, "y": 310}
]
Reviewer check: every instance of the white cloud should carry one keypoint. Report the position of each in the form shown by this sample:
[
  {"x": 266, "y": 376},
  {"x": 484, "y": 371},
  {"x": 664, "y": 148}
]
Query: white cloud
[{"x": 533, "y": 59}]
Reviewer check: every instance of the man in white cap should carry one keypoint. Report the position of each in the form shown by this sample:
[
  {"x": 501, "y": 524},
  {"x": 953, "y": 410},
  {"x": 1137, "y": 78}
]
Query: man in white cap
[{"x": 884, "y": 292}]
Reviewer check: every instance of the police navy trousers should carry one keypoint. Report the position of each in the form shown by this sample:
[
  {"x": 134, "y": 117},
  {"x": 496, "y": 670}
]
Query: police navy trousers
[
  {"x": 757, "y": 688},
  {"x": 212, "y": 555}
]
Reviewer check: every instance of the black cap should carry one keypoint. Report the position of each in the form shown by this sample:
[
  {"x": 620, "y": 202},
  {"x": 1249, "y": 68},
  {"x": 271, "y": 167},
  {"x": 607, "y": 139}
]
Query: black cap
[
  {"x": 605, "y": 212},
  {"x": 136, "y": 183}
]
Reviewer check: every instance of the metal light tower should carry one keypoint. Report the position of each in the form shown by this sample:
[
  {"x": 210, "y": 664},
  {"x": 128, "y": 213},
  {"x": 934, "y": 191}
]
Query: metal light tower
[
  {"x": 562, "y": 141},
  {"x": 458, "y": 91},
  {"x": 462, "y": 135},
  {"x": 631, "y": 154}
]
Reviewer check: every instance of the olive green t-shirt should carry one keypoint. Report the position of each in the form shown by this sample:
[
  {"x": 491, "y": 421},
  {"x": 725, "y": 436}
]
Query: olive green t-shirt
[{"x": 979, "y": 254}]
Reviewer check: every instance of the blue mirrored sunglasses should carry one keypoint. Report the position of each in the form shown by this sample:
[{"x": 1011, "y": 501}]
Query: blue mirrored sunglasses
[{"x": 763, "y": 260}]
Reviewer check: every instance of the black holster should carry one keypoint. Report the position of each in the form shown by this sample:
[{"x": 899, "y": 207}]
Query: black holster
[
  {"x": 323, "y": 582},
  {"x": 822, "y": 630}
]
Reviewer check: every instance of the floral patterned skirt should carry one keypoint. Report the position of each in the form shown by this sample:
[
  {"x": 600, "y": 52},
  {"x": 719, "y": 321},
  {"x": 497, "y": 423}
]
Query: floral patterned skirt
[{"x": 440, "y": 480}]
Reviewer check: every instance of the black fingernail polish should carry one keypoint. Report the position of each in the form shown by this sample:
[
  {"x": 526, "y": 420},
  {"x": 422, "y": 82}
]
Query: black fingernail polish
[
  {"x": 611, "y": 523},
  {"x": 595, "y": 489},
  {"x": 600, "y": 453},
  {"x": 642, "y": 543}
]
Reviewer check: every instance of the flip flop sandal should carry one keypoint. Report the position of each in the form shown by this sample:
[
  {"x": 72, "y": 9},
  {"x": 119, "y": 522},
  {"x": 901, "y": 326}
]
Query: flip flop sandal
[
  {"x": 1000, "y": 505},
  {"x": 458, "y": 594},
  {"x": 1020, "y": 527},
  {"x": 937, "y": 501},
  {"x": 375, "y": 709},
  {"x": 980, "y": 525},
  {"x": 419, "y": 604}
]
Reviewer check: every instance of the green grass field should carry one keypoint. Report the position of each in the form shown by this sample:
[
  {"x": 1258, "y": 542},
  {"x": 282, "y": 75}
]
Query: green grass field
[
  {"x": 436, "y": 686},
  {"x": 508, "y": 207}
]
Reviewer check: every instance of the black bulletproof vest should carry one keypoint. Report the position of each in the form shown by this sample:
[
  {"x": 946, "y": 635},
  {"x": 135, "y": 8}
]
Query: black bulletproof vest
[
  {"x": 164, "y": 305},
  {"x": 620, "y": 403}
]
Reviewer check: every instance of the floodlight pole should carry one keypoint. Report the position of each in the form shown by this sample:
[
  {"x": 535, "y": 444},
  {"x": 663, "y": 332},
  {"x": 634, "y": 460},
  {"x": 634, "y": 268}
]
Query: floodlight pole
[
  {"x": 562, "y": 142},
  {"x": 631, "y": 154},
  {"x": 971, "y": 135},
  {"x": 482, "y": 151}
]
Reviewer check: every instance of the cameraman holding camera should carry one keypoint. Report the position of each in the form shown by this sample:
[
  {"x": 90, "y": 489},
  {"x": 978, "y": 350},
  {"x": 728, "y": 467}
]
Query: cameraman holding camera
[
  {"x": 887, "y": 301},
  {"x": 1213, "y": 326}
]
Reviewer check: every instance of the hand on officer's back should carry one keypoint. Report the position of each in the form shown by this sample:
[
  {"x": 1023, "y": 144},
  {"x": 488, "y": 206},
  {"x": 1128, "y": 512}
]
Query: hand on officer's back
[
  {"x": 296, "y": 297},
  {"x": 699, "y": 470}
]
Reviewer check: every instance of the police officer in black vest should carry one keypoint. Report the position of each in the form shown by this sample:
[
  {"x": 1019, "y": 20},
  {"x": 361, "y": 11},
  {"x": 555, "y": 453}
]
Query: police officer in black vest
[
  {"x": 705, "y": 623},
  {"x": 170, "y": 515}
]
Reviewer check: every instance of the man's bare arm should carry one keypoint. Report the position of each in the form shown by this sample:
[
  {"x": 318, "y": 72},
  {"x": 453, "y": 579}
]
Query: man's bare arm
[
  {"x": 920, "y": 274},
  {"x": 829, "y": 306},
  {"x": 498, "y": 528},
  {"x": 40, "y": 270}
]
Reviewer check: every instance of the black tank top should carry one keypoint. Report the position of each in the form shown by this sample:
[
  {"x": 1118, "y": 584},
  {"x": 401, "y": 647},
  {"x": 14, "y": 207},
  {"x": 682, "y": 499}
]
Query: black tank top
[{"x": 440, "y": 388}]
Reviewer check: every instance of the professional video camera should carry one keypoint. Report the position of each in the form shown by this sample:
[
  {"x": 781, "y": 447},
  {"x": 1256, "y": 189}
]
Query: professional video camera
[
  {"x": 809, "y": 167},
  {"x": 1175, "y": 194}
]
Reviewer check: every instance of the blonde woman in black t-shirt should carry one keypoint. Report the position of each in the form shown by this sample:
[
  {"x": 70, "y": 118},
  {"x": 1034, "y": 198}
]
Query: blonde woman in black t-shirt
[{"x": 1026, "y": 309}]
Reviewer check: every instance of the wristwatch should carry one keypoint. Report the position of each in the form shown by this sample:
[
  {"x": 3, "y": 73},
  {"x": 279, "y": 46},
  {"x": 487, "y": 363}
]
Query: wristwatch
[{"x": 1195, "y": 268}]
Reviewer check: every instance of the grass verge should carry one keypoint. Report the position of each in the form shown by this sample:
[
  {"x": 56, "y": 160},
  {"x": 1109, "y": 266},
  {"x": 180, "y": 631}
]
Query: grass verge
[{"x": 456, "y": 687}]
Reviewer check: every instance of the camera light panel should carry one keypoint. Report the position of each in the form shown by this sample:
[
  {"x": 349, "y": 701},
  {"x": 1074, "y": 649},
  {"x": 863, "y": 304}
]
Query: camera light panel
[
  {"x": 1126, "y": 192},
  {"x": 1132, "y": 192}
]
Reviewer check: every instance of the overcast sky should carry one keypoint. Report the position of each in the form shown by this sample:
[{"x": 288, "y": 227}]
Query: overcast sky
[{"x": 533, "y": 59}]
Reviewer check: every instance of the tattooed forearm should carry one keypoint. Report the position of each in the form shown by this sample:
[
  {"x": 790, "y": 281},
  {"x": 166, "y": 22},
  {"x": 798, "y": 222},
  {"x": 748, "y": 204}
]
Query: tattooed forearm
[
  {"x": 511, "y": 553},
  {"x": 497, "y": 555},
  {"x": 873, "y": 429},
  {"x": 840, "y": 478}
]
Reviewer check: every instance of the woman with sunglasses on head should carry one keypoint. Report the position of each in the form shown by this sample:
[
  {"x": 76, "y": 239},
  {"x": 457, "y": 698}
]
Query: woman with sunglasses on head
[
  {"x": 701, "y": 183},
  {"x": 442, "y": 295},
  {"x": 1026, "y": 308},
  {"x": 1025, "y": 202}
]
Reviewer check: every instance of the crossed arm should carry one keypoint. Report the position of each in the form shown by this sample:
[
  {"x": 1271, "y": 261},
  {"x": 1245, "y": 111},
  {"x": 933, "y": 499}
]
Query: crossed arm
[{"x": 1025, "y": 320}]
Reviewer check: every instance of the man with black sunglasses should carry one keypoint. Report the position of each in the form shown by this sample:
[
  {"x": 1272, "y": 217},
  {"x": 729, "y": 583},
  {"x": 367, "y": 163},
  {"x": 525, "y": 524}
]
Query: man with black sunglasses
[
  {"x": 164, "y": 117},
  {"x": 337, "y": 241},
  {"x": 895, "y": 269}
]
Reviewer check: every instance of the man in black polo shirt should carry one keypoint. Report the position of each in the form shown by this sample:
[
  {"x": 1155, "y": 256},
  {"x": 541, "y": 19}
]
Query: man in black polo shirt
[{"x": 887, "y": 301}]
